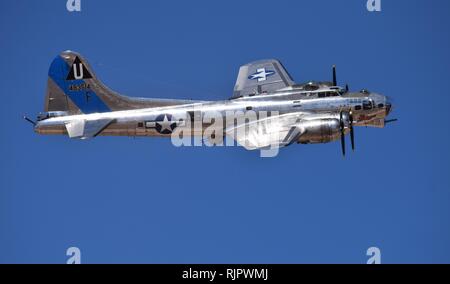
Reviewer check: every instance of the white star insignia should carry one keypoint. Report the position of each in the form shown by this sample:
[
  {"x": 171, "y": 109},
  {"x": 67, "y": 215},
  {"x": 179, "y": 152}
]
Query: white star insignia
[
  {"x": 261, "y": 74},
  {"x": 165, "y": 124}
]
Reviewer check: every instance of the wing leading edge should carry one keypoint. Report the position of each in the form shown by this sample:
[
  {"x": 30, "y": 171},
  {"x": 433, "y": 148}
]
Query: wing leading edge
[{"x": 270, "y": 132}]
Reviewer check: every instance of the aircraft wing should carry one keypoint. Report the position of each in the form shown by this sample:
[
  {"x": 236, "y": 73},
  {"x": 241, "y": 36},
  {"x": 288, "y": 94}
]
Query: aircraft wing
[
  {"x": 271, "y": 132},
  {"x": 261, "y": 76}
]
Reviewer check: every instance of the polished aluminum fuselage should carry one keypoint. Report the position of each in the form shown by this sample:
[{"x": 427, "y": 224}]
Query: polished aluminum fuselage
[{"x": 132, "y": 122}]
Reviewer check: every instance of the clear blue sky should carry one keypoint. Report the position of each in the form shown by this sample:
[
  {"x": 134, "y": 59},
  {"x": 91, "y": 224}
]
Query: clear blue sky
[{"x": 142, "y": 200}]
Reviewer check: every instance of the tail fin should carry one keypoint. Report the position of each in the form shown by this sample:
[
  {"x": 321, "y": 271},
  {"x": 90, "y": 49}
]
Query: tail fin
[{"x": 73, "y": 87}]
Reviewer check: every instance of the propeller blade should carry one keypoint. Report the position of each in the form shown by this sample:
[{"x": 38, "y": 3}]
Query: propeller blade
[
  {"x": 341, "y": 126},
  {"x": 334, "y": 76},
  {"x": 390, "y": 120},
  {"x": 352, "y": 133}
]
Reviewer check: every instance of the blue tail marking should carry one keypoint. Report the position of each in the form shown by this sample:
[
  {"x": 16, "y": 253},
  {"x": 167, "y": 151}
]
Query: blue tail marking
[{"x": 82, "y": 96}]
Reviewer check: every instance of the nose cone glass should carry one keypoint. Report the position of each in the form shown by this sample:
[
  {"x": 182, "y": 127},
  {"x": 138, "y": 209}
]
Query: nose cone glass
[
  {"x": 383, "y": 101},
  {"x": 388, "y": 107}
]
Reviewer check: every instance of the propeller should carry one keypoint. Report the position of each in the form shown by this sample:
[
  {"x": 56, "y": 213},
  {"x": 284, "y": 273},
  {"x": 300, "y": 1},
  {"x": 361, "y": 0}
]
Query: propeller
[
  {"x": 352, "y": 133},
  {"x": 341, "y": 120},
  {"x": 342, "y": 123},
  {"x": 334, "y": 76},
  {"x": 386, "y": 121},
  {"x": 342, "y": 129},
  {"x": 335, "y": 79}
]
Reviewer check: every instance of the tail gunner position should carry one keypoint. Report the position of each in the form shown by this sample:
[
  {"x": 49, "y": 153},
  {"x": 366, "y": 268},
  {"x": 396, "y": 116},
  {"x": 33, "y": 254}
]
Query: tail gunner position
[{"x": 79, "y": 105}]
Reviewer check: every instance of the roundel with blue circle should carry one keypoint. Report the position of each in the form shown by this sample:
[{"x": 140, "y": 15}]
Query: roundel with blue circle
[{"x": 165, "y": 124}]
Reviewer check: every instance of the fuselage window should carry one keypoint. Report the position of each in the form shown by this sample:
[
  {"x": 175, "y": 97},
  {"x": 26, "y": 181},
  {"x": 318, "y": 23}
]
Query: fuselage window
[
  {"x": 327, "y": 94},
  {"x": 367, "y": 105}
]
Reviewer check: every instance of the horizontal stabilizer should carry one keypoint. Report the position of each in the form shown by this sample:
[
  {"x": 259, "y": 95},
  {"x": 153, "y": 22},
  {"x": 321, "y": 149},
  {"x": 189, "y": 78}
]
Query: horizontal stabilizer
[{"x": 83, "y": 129}]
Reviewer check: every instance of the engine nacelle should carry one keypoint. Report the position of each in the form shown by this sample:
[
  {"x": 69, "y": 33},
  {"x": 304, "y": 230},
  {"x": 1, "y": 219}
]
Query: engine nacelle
[{"x": 320, "y": 130}]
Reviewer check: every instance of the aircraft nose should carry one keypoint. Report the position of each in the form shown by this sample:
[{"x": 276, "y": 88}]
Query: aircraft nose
[
  {"x": 388, "y": 108},
  {"x": 389, "y": 105}
]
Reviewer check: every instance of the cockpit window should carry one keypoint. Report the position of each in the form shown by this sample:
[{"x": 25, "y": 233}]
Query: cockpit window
[
  {"x": 311, "y": 86},
  {"x": 365, "y": 91},
  {"x": 334, "y": 94}
]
